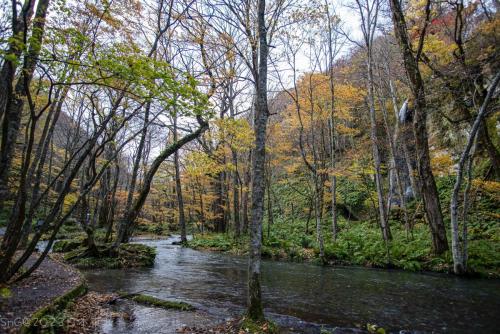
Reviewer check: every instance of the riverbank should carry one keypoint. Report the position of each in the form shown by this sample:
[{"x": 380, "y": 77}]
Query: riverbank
[
  {"x": 360, "y": 244},
  {"x": 49, "y": 288}
]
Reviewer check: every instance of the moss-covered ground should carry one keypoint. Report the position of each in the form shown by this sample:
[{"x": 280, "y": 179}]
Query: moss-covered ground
[
  {"x": 157, "y": 302},
  {"x": 125, "y": 256}
]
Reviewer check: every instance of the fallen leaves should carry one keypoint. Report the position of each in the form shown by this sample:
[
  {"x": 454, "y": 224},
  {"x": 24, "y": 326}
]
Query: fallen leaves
[{"x": 87, "y": 313}]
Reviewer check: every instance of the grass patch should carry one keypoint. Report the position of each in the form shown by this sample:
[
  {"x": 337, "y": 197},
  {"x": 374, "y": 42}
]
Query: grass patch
[{"x": 157, "y": 302}]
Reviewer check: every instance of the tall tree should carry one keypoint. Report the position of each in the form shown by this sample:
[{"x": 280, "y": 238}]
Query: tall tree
[
  {"x": 13, "y": 98},
  {"x": 178, "y": 187},
  {"x": 418, "y": 105},
  {"x": 369, "y": 12},
  {"x": 254, "y": 303},
  {"x": 459, "y": 250}
]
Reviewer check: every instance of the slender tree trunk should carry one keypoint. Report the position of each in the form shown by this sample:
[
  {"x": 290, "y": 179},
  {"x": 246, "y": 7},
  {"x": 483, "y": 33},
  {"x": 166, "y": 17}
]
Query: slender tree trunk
[
  {"x": 218, "y": 205},
  {"x": 111, "y": 217},
  {"x": 244, "y": 196},
  {"x": 234, "y": 174},
  {"x": 135, "y": 173},
  {"x": 178, "y": 189},
  {"x": 459, "y": 255},
  {"x": 14, "y": 101},
  {"x": 270, "y": 216},
  {"x": 429, "y": 191},
  {"x": 236, "y": 193},
  {"x": 384, "y": 226},
  {"x": 130, "y": 216},
  {"x": 255, "y": 310},
  {"x": 392, "y": 137},
  {"x": 202, "y": 211}
]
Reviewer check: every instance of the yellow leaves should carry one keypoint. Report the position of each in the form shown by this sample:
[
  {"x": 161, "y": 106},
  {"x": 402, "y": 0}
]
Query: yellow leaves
[
  {"x": 490, "y": 187},
  {"x": 5, "y": 292},
  {"x": 292, "y": 168},
  {"x": 199, "y": 163},
  {"x": 236, "y": 132},
  {"x": 69, "y": 200},
  {"x": 347, "y": 97},
  {"x": 315, "y": 96},
  {"x": 438, "y": 49},
  {"x": 441, "y": 163},
  {"x": 345, "y": 130}
]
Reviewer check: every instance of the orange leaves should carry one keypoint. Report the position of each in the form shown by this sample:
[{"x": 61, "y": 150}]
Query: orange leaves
[{"x": 104, "y": 15}]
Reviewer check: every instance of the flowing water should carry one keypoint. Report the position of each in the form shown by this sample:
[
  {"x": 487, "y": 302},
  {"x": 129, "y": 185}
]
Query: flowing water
[{"x": 305, "y": 297}]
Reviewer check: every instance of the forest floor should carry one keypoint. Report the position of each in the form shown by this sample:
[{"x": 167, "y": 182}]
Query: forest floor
[{"x": 21, "y": 300}]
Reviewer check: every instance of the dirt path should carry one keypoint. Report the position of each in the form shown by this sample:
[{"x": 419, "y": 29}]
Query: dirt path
[{"x": 51, "y": 280}]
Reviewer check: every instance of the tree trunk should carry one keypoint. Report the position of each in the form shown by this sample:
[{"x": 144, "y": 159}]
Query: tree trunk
[
  {"x": 135, "y": 172},
  {"x": 270, "y": 216},
  {"x": 130, "y": 216},
  {"x": 255, "y": 310},
  {"x": 178, "y": 189},
  {"x": 244, "y": 196},
  {"x": 111, "y": 217},
  {"x": 384, "y": 226},
  {"x": 236, "y": 193},
  {"x": 14, "y": 101},
  {"x": 459, "y": 256},
  {"x": 428, "y": 185}
]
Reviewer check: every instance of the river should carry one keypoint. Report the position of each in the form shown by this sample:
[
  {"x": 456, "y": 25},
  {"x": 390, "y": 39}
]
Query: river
[{"x": 302, "y": 297}]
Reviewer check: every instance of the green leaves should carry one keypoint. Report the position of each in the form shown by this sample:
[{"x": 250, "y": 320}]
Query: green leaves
[
  {"x": 5, "y": 292},
  {"x": 124, "y": 66}
]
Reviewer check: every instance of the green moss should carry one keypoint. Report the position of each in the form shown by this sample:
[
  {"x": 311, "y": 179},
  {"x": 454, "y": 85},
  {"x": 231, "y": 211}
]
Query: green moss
[
  {"x": 126, "y": 256},
  {"x": 51, "y": 318},
  {"x": 66, "y": 245},
  {"x": 153, "y": 301},
  {"x": 254, "y": 327}
]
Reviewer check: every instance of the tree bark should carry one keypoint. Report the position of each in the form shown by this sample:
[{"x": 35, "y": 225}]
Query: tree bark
[
  {"x": 178, "y": 189},
  {"x": 135, "y": 171},
  {"x": 130, "y": 216},
  {"x": 459, "y": 256},
  {"x": 14, "y": 101},
  {"x": 254, "y": 303},
  {"x": 427, "y": 183}
]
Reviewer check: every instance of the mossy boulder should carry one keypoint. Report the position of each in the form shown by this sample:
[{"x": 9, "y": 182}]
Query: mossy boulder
[
  {"x": 157, "y": 302},
  {"x": 125, "y": 256},
  {"x": 66, "y": 245}
]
